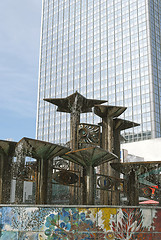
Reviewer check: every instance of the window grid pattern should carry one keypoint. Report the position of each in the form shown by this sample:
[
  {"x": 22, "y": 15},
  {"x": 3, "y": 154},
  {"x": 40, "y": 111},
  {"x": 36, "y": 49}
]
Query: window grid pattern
[
  {"x": 155, "y": 20},
  {"x": 101, "y": 49}
]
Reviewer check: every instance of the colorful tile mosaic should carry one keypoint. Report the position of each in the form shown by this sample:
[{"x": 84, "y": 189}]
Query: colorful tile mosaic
[
  {"x": 47, "y": 223},
  {"x": 9, "y": 235}
]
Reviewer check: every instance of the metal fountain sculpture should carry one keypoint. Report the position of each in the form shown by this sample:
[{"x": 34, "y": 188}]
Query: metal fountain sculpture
[
  {"x": 88, "y": 156},
  {"x": 95, "y": 155}
]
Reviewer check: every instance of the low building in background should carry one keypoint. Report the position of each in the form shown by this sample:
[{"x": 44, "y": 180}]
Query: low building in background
[{"x": 147, "y": 150}]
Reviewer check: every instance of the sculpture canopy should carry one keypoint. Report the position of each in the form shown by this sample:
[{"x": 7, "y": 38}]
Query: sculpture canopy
[
  {"x": 108, "y": 111},
  {"x": 148, "y": 173},
  {"x": 92, "y": 156},
  {"x": 123, "y": 124},
  {"x": 127, "y": 167},
  {"x": 7, "y": 147},
  {"x": 40, "y": 149},
  {"x": 74, "y": 102}
]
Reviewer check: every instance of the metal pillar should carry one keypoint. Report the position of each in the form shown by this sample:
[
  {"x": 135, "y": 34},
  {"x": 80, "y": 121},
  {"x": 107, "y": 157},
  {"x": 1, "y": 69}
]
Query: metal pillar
[
  {"x": 108, "y": 113},
  {"x": 19, "y": 183},
  {"x": 49, "y": 184},
  {"x": 89, "y": 185},
  {"x": 7, "y": 165},
  {"x": 42, "y": 182},
  {"x": 116, "y": 145},
  {"x": 133, "y": 189},
  {"x": 107, "y": 140},
  {"x": 1, "y": 178},
  {"x": 5, "y": 178},
  {"x": 7, "y": 149},
  {"x": 74, "y": 121},
  {"x": 107, "y": 144}
]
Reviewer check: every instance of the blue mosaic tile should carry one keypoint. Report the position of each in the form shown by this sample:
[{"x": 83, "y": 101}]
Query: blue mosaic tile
[
  {"x": 68, "y": 219},
  {"x": 9, "y": 235},
  {"x": 28, "y": 236},
  {"x": 88, "y": 221},
  {"x": 47, "y": 218},
  {"x": 61, "y": 223},
  {"x": 33, "y": 223},
  {"x": 20, "y": 219},
  {"x": 8, "y": 219},
  {"x": 30, "y": 219}
]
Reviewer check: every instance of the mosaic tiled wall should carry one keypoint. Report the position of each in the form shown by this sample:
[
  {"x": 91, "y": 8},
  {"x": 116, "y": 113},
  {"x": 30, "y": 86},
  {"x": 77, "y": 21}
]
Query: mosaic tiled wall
[{"x": 74, "y": 223}]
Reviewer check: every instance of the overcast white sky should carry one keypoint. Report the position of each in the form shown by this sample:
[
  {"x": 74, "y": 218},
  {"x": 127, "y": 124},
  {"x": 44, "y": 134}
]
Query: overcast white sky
[{"x": 19, "y": 62}]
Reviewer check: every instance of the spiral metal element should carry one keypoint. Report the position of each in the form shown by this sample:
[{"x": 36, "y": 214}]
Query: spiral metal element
[{"x": 89, "y": 134}]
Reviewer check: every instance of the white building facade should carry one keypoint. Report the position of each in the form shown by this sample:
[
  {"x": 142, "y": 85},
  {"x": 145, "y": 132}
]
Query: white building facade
[
  {"x": 104, "y": 49},
  {"x": 147, "y": 150}
]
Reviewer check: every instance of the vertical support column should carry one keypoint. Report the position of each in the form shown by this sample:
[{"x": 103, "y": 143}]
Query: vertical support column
[
  {"x": 41, "y": 183},
  {"x": 37, "y": 197},
  {"x": 110, "y": 142},
  {"x": 19, "y": 192},
  {"x": 74, "y": 121},
  {"x": 84, "y": 187},
  {"x": 107, "y": 133},
  {"x": 43, "y": 180},
  {"x": 132, "y": 191},
  {"x": 1, "y": 178},
  {"x": 107, "y": 144},
  {"x": 90, "y": 185},
  {"x": 7, "y": 179},
  {"x": 20, "y": 183},
  {"x": 117, "y": 143},
  {"x": 104, "y": 196},
  {"x": 49, "y": 183}
]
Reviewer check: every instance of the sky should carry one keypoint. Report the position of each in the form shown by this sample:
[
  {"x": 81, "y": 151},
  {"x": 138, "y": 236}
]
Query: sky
[{"x": 20, "y": 24}]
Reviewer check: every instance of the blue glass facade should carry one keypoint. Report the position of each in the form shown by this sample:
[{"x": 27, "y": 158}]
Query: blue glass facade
[
  {"x": 104, "y": 49},
  {"x": 155, "y": 38}
]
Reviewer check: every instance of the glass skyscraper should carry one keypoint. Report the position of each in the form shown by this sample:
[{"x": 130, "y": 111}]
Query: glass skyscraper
[{"x": 104, "y": 49}]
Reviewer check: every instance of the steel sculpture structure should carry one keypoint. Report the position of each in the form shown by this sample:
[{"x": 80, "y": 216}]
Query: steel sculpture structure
[
  {"x": 86, "y": 172},
  {"x": 7, "y": 150}
]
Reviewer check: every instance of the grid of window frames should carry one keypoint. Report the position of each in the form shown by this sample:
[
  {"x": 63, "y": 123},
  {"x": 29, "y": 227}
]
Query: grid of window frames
[
  {"x": 155, "y": 20},
  {"x": 104, "y": 49}
]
